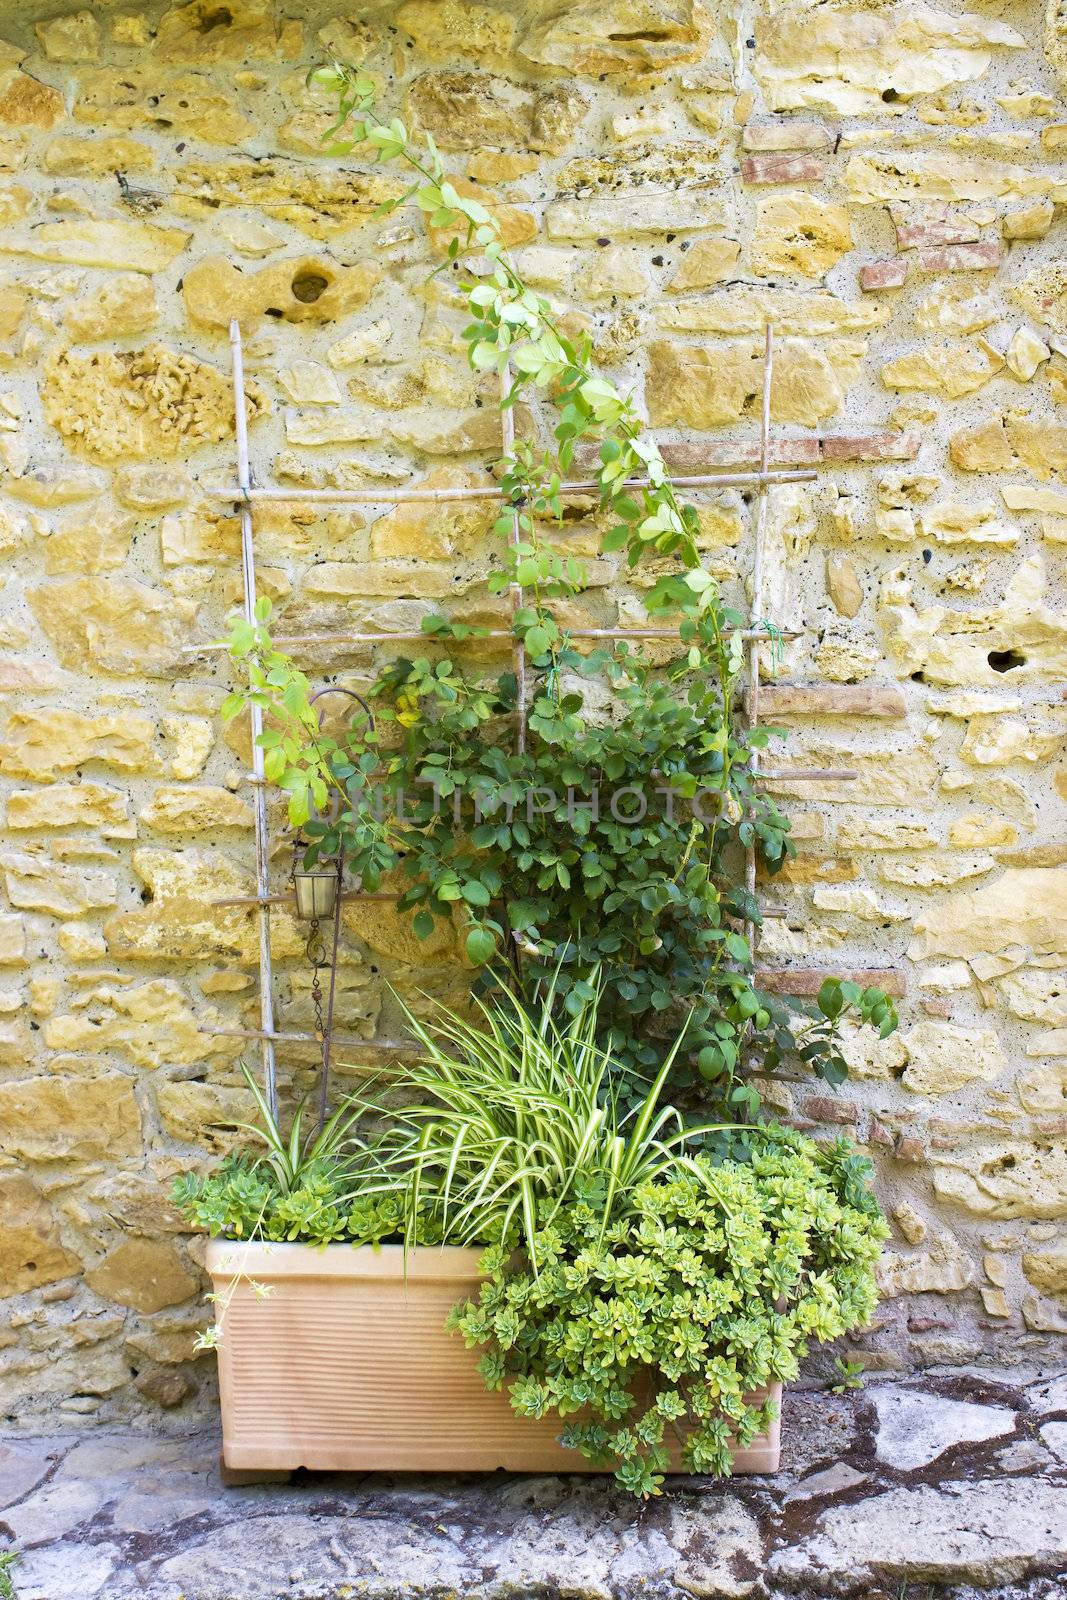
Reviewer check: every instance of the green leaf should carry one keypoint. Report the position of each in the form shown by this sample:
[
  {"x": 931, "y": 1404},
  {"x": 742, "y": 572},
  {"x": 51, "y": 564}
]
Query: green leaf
[{"x": 480, "y": 946}]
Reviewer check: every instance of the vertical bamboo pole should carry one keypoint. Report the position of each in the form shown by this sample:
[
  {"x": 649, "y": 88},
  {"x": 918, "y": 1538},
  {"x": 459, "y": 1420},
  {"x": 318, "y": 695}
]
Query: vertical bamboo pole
[
  {"x": 507, "y": 425},
  {"x": 259, "y": 805},
  {"x": 757, "y": 593}
]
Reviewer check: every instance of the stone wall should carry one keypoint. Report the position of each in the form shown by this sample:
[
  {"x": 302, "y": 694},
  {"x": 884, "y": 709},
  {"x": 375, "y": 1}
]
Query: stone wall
[{"x": 882, "y": 183}]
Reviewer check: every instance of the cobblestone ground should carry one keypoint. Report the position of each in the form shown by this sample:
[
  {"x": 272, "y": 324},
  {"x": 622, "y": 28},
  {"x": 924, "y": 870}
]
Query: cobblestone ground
[{"x": 954, "y": 1485}]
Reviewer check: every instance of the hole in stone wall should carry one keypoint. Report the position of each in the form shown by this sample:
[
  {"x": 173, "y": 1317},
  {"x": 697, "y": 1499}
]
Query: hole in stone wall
[
  {"x": 216, "y": 19},
  {"x": 1005, "y": 660},
  {"x": 309, "y": 287}
]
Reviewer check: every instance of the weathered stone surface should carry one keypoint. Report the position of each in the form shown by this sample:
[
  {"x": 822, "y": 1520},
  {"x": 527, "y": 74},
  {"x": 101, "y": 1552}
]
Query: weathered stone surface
[
  {"x": 873, "y": 179},
  {"x": 112, "y": 624},
  {"x": 465, "y": 110},
  {"x": 814, "y": 313},
  {"x": 320, "y": 201},
  {"x": 61, "y": 1119},
  {"x": 130, "y": 246},
  {"x": 985, "y": 1532},
  {"x": 1047, "y": 1269},
  {"x": 145, "y": 1274},
  {"x": 151, "y": 1023},
  {"x": 97, "y": 158},
  {"x": 851, "y": 62},
  {"x": 66, "y": 805},
  {"x": 41, "y": 743},
  {"x": 184, "y": 104},
  {"x": 195, "y": 810},
  {"x": 595, "y": 37},
  {"x": 799, "y": 235},
  {"x": 1026, "y": 906},
  {"x": 31, "y": 1253},
  {"x": 304, "y": 289},
  {"x": 153, "y": 402},
  {"x": 34, "y": 883},
  {"x": 914, "y": 1428},
  {"x": 1010, "y": 1180},
  {"x": 950, "y": 371},
  {"x": 705, "y": 387},
  {"x": 942, "y": 1057}
]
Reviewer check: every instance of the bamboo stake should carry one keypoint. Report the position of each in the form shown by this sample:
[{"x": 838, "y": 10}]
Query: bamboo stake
[
  {"x": 374, "y": 497},
  {"x": 304, "y": 640},
  {"x": 756, "y": 612},
  {"x": 507, "y": 428},
  {"x": 248, "y": 572}
]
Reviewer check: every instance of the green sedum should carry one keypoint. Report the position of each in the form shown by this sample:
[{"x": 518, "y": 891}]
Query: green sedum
[{"x": 708, "y": 1288}]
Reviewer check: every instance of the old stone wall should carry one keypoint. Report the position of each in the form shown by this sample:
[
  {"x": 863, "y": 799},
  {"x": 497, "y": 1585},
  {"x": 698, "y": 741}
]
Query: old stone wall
[{"x": 885, "y": 184}]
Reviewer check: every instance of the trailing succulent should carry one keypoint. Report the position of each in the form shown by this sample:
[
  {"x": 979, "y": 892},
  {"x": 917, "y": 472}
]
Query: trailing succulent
[{"x": 669, "y": 1322}]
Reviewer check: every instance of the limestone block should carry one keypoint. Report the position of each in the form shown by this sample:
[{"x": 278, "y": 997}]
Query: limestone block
[
  {"x": 874, "y": 179},
  {"x": 1007, "y": 441},
  {"x": 321, "y": 201},
  {"x": 437, "y": 430},
  {"x": 152, "y": 1023},
  {"x": 1025, "y": 354},
  {"x": 128, "y": 245},
  {"x": 635, "y": 214},
  {"x": 207, "y": 1114},
  {"x": 1043, "y": 1089},
  {"x": 701, "y": 386},
  {"x": 614, "y": 272},
  {"x": 996, "y": 742},
  {"x": 41, "y": 743},
  {"x": 301, "y": 289},
  {"x": 798, "y": 234},
  {"x": 60, "y": 1119},
  {"x": 458, "y": 30},
  {"x": 884, "y": 833},
  {"x": 465, "y": 110},
  {"x": 89, "y": 541},
  {"x": 856, "y": 901},
  {"x": 1024, "y": 906},
  {"x": 145, "y": 1274},
  {"x": 309, "y": 383},
  {"x": 25, "y": 102},
  {"x": 943, "y": 1057},
  {"x": 745, "y": 308},
  {"x": 181, "y": 923},
  {"x": 1008, "y": 1180},
  {"x": 70, "y": 157},
  {"x": 949, "y": 371},
  {"x": 388, "y": 932},
  {"x": 845, "y": 62},
  {"x": 190, "y": 741},
  {"x": 936, "y": 871},
  {"x": 244, "y": 31},
  {"x": 121, "y": 308},
  {"x": 151, "y": 488},
  {"x": 708, "y": 262},
  {"x": 436, "y": 531},
  {"x": 116, "y": 625},
  {"x": 889, "y": 776},
  {"x": 945, "y": 1268},
  {"x": 187, "y": 105},
  {"x": 1043, "y": 295},
  {"x": 591, "y": 38},
  {"x": 75, "y": 37},
  {"x": 843, "y": 585},
  {"x": 1047, "y": 1269},
  {"x": 34, "y": 883},
  {"x": 1028, "y": 222},
  {"x": 68, "y": 805},
  {"x": 957, "y": 522},
  {"x": 199, "y": 809},
  {"x": 1036, "y": 995},
  {"x": 362, "y": 345},
  {"x": 957, "y": 308},
  {"x": 31, "y": 1253},
  {"x": 393, "y": 580},
  {"x": 117, "y": 405}
]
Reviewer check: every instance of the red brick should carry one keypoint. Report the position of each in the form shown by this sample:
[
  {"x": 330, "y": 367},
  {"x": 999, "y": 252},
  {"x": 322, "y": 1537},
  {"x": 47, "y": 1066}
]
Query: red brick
[
  {"x": 832, "y": 700},
  {"x": 910, "y": 1149},
  {"x": 915, "y": 229},
  {"x": 843, "y": 447},
  {"x": 691, "y": 457},
  {"x": 883, "y": 275},
  {"x": 962, "y": 258},
  {"x": 783, "y": 169},
  {"x": 824, "y": 1108},
  {"x": 786, "y": 133},
  {"x": 809, "y": 980}
]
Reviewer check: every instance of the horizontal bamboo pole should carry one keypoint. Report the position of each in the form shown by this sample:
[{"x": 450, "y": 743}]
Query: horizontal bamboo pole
[
  {"x": 345, "y": 1041},
  {"x": 303, "y": 640},
  {"x": 372, "y": 497}
]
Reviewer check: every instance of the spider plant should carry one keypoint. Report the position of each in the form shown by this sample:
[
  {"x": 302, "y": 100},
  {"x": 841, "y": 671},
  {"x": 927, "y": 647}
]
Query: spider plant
[{"x": 514, "y": 1115}]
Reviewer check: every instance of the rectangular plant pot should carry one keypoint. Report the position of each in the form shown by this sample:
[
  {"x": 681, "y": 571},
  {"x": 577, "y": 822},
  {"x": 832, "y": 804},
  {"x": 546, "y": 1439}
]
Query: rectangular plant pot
[{"x": 346, "y": 1366}]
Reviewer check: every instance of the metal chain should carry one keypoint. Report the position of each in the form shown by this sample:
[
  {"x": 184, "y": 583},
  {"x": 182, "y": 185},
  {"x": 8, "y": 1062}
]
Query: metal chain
[{"x": 319, "y": 962}]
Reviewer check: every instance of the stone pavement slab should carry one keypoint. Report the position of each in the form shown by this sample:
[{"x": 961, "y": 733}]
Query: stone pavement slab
[{"x": 951, "y": 1486}]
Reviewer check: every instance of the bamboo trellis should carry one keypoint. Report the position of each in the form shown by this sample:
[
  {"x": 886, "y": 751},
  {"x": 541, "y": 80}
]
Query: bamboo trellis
[{"x": 246, "y": 495}]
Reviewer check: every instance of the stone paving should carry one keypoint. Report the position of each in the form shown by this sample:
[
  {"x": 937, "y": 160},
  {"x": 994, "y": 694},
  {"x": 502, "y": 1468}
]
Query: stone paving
[{"x": 953, "y": 1485}]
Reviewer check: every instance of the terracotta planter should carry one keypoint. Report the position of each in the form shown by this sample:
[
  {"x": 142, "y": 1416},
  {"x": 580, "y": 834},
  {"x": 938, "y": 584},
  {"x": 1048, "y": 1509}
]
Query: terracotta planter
[{"x": 346, "y": 1366}]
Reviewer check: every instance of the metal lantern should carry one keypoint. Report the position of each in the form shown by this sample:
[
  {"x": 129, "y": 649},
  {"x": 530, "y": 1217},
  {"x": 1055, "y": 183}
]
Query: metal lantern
[{"x": 315, "y": 891}]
